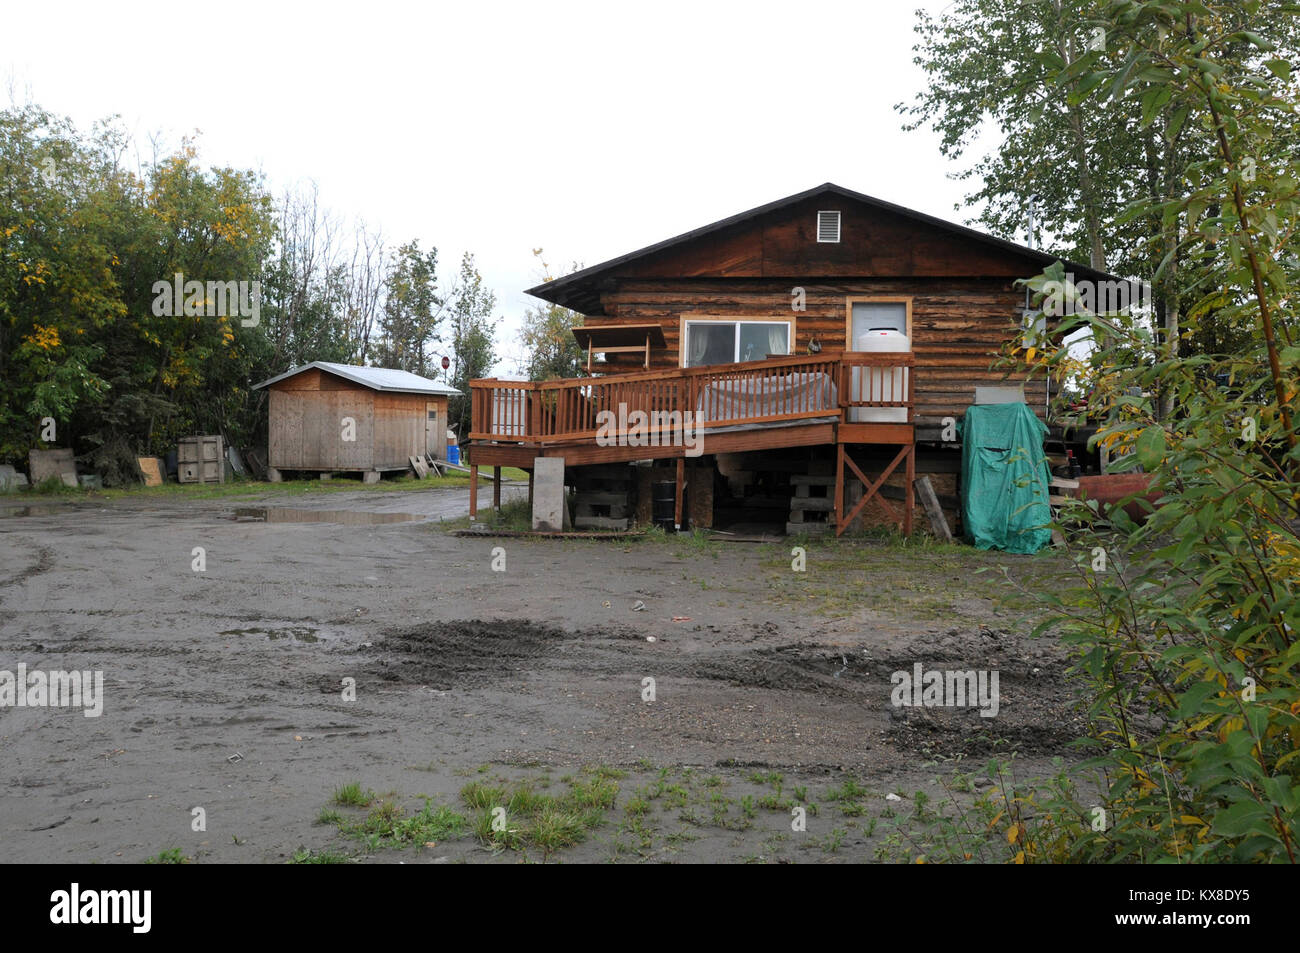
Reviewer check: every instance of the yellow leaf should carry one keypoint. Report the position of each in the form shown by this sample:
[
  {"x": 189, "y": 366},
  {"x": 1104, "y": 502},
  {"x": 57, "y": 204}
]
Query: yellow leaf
[
  {"x": 1013, "y": 832},
  {"x": 1019, "y": 858}
]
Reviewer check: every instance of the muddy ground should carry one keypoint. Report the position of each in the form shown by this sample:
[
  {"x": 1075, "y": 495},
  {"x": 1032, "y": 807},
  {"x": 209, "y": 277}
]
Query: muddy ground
[{"x": 225, "y": 688}]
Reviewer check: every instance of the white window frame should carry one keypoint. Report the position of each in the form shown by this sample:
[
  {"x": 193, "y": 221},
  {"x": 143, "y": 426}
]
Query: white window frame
[{"x": 689, "y": 319}]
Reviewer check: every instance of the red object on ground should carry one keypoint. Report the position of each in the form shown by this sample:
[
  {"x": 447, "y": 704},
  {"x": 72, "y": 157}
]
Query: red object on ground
[{"x": 1110, "y": 488}]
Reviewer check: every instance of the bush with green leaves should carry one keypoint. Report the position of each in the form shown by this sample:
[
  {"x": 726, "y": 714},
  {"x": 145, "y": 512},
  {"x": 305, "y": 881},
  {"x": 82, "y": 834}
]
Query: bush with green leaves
[{"x": 1186, "y": 623}]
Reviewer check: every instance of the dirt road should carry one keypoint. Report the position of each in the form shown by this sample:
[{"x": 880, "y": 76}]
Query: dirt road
[{"x": 225, "y": 683}]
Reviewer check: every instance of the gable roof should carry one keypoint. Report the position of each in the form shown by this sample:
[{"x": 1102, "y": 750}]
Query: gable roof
[
  {"x": 376, "y": 378},
  {"x": 580, "y": 290}
]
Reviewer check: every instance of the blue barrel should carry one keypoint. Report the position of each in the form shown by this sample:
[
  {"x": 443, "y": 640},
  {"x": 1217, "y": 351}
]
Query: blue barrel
[{"x": 453, "y": 454}]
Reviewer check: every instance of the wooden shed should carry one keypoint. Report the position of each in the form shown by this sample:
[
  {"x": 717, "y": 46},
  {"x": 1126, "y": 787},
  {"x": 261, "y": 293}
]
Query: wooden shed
[{"x": 327, "y": 417}]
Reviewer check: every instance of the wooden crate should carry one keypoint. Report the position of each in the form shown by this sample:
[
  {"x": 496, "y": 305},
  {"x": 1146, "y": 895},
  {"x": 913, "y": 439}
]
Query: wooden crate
[{"x": 200, "y": 460}]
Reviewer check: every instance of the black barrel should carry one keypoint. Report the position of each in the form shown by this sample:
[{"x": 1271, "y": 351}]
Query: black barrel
[{"x": 663, "y": 498}]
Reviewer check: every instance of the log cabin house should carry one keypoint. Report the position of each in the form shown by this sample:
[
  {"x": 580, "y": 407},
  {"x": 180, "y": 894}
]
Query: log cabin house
[
  {"x": 339, "y": 418},
  {"x": 763, "y": 326}
]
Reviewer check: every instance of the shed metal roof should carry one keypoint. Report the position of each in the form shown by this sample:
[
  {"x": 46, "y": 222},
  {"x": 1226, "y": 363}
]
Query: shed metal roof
[{"x": 376, "y": 378}]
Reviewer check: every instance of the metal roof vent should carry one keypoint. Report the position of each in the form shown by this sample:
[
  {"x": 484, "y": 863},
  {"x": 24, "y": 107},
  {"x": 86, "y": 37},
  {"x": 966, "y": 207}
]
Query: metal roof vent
[{"x": 828, "y": 226}]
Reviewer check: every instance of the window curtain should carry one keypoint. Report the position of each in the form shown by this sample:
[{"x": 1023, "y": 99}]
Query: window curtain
[
  {"x": 699, "y": 344},
  {"x": 778, "y": 339}
]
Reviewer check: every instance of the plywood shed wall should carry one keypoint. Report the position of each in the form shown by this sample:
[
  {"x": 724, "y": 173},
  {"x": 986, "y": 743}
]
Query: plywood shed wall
[{"x": 306, "y": 425}]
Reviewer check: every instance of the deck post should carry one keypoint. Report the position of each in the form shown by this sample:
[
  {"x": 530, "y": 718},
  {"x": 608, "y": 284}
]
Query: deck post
[
  {"x": 909, "y": 496},
  {"x": 473, "y": 492},
  {"x": 838, "y": 509},
  {"x": 530, "y": 490},
  {"x": 496, "y": 488},
  {"x": 681, "y": 485}
]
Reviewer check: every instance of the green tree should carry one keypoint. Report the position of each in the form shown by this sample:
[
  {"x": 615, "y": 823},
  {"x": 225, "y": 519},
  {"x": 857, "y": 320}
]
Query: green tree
[
  {"x": 1187, "y": 633},
  {"x": 412, "y": 313},
  {"x": 1100, "y": 144},
  {"x": 83, "y": 243},
  {"x": 59, "y": 277},
  {"x": 551, "y": 350},
  {"x": 473, "y": 339}
]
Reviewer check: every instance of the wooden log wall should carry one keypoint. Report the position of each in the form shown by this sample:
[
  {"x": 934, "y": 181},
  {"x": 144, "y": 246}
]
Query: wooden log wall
[{"x": 958, "y": 325}]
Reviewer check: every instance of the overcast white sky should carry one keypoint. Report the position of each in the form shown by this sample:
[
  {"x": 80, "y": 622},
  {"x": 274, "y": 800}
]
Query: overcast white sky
[{"x": 586, "y": 129}]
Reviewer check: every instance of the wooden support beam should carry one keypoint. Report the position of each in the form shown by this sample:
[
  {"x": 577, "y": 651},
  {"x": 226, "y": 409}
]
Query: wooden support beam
[
  {"x": 872, "y": 487},
  {"x": 839, "y": 488},
  {"x": 473, "y": 492},
  {"x": 530, "y": 491},
  {"x": 930, "y": 501},
  {"x": 681, "y": 486},
  {"x": 496, "y": 488},
  {"x": 910, "y": 503}
]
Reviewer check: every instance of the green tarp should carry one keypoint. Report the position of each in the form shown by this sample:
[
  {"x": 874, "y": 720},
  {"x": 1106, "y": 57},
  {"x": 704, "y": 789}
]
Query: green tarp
[{"x": 1004, "y": 479}]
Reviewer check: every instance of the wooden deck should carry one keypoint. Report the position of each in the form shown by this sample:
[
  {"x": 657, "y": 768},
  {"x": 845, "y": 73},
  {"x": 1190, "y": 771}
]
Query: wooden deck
[{"x": 685, "y": 412}]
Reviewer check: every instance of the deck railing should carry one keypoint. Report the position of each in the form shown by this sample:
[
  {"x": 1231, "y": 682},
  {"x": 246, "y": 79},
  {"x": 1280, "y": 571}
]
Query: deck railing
[
  {"x": 776, "y": 390},
  {"x": 876, "y": 380}
]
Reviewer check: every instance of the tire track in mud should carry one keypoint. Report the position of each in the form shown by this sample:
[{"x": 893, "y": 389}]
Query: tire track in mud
[
  {"x": 44, "y": 563},
  {"x": 1037, "y": 708}
]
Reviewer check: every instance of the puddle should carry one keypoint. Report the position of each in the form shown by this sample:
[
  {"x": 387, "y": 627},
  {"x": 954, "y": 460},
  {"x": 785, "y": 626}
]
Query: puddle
[
  {"x": 47, "y": 509},
  {"x": 299, "y": 633},
  {"x": 278, "y": 514}
]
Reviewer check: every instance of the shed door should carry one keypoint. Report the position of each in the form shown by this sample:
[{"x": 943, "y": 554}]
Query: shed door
[{"x": 433, "y": 439}]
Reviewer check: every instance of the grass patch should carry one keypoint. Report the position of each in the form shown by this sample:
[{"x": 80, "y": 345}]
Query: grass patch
[
  {"x": 388, "y": 825},
  {"x": 172, "y": 855},
  {"x": 515, "y": 516},
  {"x": 352, "y": 795},
  {"x": 305, "y": 856},
  {"x": 243, "y": 487},
  {"x": 923, "y": 579},
  {"x": 518, "y": 816}
]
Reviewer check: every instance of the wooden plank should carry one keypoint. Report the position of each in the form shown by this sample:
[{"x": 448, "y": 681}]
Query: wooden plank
[
  {"x": 930, "y": 502},
  {"x": 151, "y": 470},
  {"x": 876, "y": 433}
]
